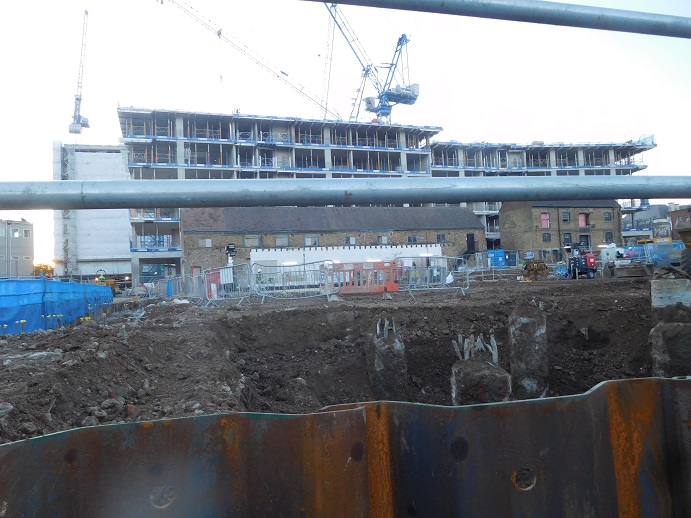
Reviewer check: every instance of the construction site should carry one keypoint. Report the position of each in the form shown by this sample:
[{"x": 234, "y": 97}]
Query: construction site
[{"x": 282, "y": 316}]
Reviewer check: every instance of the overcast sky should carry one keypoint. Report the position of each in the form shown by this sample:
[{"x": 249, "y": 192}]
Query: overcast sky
[{"x": 481, "y": 80}]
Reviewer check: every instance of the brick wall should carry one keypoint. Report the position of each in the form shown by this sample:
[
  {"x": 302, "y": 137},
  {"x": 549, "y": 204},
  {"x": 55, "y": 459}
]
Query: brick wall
[{"x": 196, "y": 252}]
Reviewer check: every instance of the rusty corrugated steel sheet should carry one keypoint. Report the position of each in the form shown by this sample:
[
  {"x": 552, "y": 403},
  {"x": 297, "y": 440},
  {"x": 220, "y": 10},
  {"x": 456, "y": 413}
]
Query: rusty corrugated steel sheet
[{"x": 623, "y": 449}]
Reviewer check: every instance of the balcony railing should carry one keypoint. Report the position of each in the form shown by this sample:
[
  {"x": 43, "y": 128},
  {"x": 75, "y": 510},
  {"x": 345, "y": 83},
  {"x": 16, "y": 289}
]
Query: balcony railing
[
  {"x": 155, "y": 242},
  {"x": 160, "y": 214}
]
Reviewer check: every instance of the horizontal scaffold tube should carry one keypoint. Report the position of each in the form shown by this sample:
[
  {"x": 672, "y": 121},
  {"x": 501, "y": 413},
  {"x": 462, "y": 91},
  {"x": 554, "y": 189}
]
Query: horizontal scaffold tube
[
  {"x": 73, "y": 194},
  {"x": 551, "y": 13}
]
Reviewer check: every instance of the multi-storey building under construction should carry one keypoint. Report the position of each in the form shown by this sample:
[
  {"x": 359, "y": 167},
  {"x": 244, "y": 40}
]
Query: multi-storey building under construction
[{"x": 167, "y": 144}]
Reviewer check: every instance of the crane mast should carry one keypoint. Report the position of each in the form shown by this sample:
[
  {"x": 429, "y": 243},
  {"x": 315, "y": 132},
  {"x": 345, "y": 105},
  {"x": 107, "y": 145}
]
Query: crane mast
[
  {"x": 79, "y": 122},
  {"x": 387, "y": 96}
]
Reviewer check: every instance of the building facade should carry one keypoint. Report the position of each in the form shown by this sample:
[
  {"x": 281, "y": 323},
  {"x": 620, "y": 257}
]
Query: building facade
[
  {"x": 553, "y": 225},
  {"x": 678, "y": 214},
  {"x": 90, "y": 241},
  {"x": 164, "y": 144},
  {"x": 645, "y": 222},
  {"x": 327, "y": 233},
  {"x": 466, "y": 160},
  {"x": 16, "y": 248}
]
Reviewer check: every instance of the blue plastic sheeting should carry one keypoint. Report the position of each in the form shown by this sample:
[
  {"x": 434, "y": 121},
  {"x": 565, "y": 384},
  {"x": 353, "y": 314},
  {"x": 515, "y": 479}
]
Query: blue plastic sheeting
[{"x": 40, "y": 301}]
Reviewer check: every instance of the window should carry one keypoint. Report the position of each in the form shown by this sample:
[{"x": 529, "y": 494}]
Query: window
[
  {"x": 585, "y": 240},
  {"x": 311, "y": 240},
  {"x": 583, "y": 219},
  {"x": 281, "y": 241},
  {"x": 382, "y": 240},
  {"x": 350, "y": 240},
  {"x": 609, "y": 237},
  {"x": 27, "y": 233},
  {"x": 607, "y": 216},
  {"x": 412, "y": 239},
  {"x": 205, "y": 243},
  {"x": 15, "y": 232},
  {"x": 546, "y": 237},
  {"x": 566, "y": 216},
  {"x": 441, "y": 238},
  {"x": 544, "y": 218},
  {"x": 252, "y": 241},
  {"x": 567, "y": 238}
]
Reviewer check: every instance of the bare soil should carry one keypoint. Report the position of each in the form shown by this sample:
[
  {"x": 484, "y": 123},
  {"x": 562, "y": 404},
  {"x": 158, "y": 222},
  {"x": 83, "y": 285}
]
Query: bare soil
[{"x": 165, "y": 360}]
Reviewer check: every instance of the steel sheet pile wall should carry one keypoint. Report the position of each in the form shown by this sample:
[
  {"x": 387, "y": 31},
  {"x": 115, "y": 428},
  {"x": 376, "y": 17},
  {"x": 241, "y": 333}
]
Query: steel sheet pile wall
[
  {"x": 623, "y": 449},
  {"x": 47, "y": 304}
]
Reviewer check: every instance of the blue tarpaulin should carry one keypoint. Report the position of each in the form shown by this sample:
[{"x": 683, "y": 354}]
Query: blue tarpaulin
[{"x": 46, "y": 303}]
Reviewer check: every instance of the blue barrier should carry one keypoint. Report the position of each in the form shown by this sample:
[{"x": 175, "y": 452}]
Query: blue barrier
[{"x": 39, "y": 301}]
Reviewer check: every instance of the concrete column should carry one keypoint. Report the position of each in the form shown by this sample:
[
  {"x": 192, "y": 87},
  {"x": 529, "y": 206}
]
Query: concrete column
[
  {"x": 553, "y": 158},
  {"x": 580, "y": 157},
  {"x": 611, "y": 157},
  {"x": 326, "y": 135},
  {"x": 402, "y": 141},
  {"x": 135, "y": 272}
]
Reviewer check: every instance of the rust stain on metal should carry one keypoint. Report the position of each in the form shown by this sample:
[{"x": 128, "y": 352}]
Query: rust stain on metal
[
  {"x": 630, "y": 422},
  {"x": 381, "y": 485}
]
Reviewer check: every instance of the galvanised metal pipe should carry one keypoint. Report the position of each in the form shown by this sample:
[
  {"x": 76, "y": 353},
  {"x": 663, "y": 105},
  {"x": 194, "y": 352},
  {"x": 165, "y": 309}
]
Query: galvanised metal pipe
[
  {"x": 72, "y": 194},
  {"x": 551, "y": 13}
]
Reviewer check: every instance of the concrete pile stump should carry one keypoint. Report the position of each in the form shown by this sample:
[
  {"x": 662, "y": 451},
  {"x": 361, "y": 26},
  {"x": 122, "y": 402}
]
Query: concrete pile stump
[
  {"x": 528, "y": 352},
  {"x": 670, "y": 348}
]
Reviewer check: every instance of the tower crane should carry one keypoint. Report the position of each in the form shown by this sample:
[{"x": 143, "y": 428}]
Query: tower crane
[
  {"x": 387, "y": 95},
  {"x": 279, "y": 74},
  {"x": 79, "y": 122}
]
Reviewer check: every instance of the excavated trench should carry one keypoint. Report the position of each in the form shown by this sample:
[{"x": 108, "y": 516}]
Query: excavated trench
[{"x": 299, "y": 356}]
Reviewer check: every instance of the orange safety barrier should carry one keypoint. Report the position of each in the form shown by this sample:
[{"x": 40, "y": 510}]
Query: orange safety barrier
[
  {"x": 367, "y": 277},
  {"x": 213, "y": 279}
]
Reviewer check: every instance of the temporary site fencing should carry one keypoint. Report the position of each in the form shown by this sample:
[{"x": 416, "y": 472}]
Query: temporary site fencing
[
  {"x": 433, "y": 273},
  {"x": 325, "y": 278},
  {"x": 227, "y": 283},
  {"x": 32, "y": 304},
  {"x": 317, "y": 279}
]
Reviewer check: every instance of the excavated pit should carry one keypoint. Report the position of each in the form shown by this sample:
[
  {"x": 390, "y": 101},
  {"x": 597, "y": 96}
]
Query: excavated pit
[{"x": 169, "y": 360}]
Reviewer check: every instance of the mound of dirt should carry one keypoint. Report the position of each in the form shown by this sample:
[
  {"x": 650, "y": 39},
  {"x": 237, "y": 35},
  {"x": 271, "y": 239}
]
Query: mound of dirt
[{"x": 166, "y": 360}]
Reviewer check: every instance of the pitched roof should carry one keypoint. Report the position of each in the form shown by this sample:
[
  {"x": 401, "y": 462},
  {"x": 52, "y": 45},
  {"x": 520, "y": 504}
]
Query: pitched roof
[
  {"x": 591, "y": 204},
  {"x": 327, "y": 219}
]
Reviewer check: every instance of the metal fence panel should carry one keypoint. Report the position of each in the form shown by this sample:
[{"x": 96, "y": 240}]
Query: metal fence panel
[
  {"x": 292, "y": 281},
  {"x": 227, "y": 283},
  {"x": 433, "y": 273}
]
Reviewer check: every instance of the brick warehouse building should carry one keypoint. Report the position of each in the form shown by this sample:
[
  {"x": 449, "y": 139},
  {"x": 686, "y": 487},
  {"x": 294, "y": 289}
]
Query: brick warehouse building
[
  {"x": 454, "y": 231},
  {"x": 552, "y": 225}
]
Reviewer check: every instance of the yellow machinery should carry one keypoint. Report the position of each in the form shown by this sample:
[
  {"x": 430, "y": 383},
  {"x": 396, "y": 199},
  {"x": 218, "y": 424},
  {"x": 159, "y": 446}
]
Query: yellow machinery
[
  {"x": 535, "y": 269},
  {"x": 102, "y": 280}
]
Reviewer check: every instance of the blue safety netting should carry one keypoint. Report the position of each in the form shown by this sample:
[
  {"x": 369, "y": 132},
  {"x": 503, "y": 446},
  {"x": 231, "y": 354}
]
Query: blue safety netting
[{"x": 46, "y": 303}]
